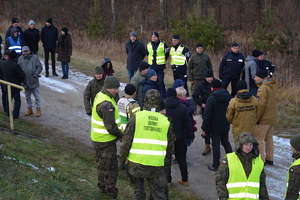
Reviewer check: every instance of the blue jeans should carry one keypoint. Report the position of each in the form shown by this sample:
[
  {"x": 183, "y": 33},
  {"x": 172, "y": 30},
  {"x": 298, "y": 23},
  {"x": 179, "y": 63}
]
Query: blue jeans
[
  {"x": 65, "y": 68},
  {"x": 130, "y": 74},
  {"x": 253, "y": 91},
  {"x": 17, "y": 104},
  {"x": 36, "y": 94}
]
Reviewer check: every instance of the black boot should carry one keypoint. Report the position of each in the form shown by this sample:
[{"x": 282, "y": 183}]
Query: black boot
[
  {"x": 54, "y": 73},
  {"x": 63, "y": 77},
  {"x": 47, "y": 74}
]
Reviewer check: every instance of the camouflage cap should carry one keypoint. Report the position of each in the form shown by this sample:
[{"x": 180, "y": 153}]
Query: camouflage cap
[
  {"x": 243, "y": 138},
  {"x": 152, "y": 99}
]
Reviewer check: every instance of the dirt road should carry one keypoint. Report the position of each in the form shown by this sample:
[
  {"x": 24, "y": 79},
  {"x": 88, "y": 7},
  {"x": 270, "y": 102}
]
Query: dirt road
[{"x": 63, "y": 110}]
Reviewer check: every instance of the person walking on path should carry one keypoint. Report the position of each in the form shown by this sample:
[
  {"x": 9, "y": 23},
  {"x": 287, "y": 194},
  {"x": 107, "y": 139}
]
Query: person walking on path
[
  {"x": 32, "y": 67},
  {"x": 32, "y": 37}
]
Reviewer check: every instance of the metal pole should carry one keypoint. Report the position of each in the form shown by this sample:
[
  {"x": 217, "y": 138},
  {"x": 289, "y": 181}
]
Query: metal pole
[{"x": 10, "y": 108}]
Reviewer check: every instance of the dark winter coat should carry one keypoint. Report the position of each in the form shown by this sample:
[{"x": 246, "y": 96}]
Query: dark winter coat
[
  {"x": 267, "y": 66},
  {"x": 32, "y": 38},
  {"x": 197, "y": 66},
  {"x": 64, "y": 48},
  {"x": 107, "y": 71},
  {"x": 202, "y": 92},
  {"x": 231, "y": 65},
  {"x": 136, "y": 53},
  {"x": 135, "y": 80},
  {"x": 146, "y": 85},
  {"x": 49, "y": 36},
  {"x": 7, "y": 42},
  {"x": 214, "y": 119}
]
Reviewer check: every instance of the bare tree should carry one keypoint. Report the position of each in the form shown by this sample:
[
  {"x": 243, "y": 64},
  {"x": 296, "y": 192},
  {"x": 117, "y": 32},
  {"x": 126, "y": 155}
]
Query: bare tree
[{"x": 113, "y": 13}]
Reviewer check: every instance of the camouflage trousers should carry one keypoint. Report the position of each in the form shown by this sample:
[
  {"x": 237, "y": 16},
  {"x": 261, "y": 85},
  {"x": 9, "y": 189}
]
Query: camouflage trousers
[{"x": 107, "y": 167}]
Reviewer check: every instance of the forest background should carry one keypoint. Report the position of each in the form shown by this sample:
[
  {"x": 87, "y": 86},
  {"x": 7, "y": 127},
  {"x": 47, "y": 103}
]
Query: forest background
[{"x": 100, "y": 29}]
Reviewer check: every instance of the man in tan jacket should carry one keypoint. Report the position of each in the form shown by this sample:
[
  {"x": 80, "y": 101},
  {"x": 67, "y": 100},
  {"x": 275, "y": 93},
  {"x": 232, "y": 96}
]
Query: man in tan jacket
[{"x": 266, "y": 115}]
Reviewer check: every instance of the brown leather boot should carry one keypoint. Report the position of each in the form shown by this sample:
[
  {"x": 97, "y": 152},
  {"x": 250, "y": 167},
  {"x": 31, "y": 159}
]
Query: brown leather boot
[
  {"x": 207, "y": 150},
  {"x": 29, "y": 111},
  {"x": 183, "y": 183},
  {"x": 38, "y": 112}
]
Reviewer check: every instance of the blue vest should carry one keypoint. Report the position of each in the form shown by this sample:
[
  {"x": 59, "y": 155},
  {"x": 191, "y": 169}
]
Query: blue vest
[{"x": 15, "y": 45}]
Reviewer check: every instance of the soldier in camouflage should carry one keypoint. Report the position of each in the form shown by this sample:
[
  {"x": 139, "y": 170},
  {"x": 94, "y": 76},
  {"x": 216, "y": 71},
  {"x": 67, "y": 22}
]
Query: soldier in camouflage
[
  {"x": 239, "y": 169},
  {"x": 134, "y": 143}
]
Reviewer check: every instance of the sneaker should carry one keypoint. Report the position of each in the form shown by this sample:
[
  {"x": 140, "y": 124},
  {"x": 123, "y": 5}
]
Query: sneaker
[
  {"x": 183, "y": 183},
  {"x": 210, "y": 167}
]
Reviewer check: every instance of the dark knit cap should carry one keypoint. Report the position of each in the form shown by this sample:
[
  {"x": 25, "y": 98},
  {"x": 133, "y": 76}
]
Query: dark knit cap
[
  {"x": 99, "y": 70},
  {"x": 178, "y": 83},
  {"x": 295, "y": 142},
  {"x": 209, "y": 73},
  {"x": 261, "y": 73},
  {"x": 261, "y": 53},
  {"x": 111, "y": 82},
  {"x": 150, "y": 73},
  {"x": 143, "y": 65},
  {"x": 241, "y": 85},
  {"x": 177, "y": 37},
  {"x": 133, "y": 33},
  {"x": 199, "y": 45},
  {"x": 6, "y": 53},
  {"x": 49, "y": 20},
  {"x": 255, "y": 53},
  {"x": 156, "y": 34},
  {"x": 171, "y": 92},
  {"x": 12, "y": 54},
  {"x": 14, "y": 20},
  {"x": 65, "y": 29},
  {"x": 216, "y": 83},
  {"x": 130, "y": 89},
  {"x": 235, "y": 45}
]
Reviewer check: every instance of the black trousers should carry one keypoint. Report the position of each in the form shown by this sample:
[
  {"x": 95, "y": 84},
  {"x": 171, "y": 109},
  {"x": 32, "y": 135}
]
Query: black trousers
[
  {"x": 47, "y": 51},
  {"x": 218, "y": 139}
]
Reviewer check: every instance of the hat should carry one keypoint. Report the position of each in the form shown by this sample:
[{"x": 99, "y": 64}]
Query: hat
[
  {"x": 255, "y": 53},
  {"x": 235, "y": 45},
  {"x": 150, "y": 73},
  {"x": 49, "y": 20},
  {"x": 31, "y": 22},
  {"x": 133, "y": 33},
  {"x": 176, "y": 37},
  {"x": 241, "y": 85},
  {"x": 143, "y": 65},
  {"x": 178, "y": 83},
  {"x": 14, "y": 20},
  {"x": 65, "y": 29},
  {"x": 156, "y": 34},
  {"x": 99, "y": 70},
  {"x": 12, "y": 54},
  {"x": 171, "y": 92},
  {"x": 25, "y": 48},
  {"x": 130, "y": 89},
  {"x": 111, "y": 82},
  {"x": 295, "y": 142},
  {"x": 216, "y": 83},
  {"x": 6, "y": 53},
  {"x": 261, "y": 73},
  {"x": 209, "y": 73},
  {"x": 261, "y": 53},
  {"x": 199, "y": 45}
]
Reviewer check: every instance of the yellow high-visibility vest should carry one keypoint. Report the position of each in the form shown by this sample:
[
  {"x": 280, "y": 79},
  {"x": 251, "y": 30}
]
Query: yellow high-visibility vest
[
  {"x": 297, "y": 162},
  {"x": 177, "y": 57},
  {"x": 160, "y": 54}
]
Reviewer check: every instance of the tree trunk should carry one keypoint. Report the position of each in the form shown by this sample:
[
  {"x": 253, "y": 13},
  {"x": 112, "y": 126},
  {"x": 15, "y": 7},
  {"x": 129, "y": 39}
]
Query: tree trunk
[{"x": 113, "y": 13}]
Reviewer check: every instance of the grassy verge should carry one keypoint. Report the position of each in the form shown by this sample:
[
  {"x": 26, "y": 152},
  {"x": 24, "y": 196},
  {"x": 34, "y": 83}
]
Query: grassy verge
[{"x": 26, "y": 160}]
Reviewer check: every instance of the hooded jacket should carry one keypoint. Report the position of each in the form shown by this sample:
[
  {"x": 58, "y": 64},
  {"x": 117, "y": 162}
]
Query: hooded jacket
[
  {"x": 110, "y": 70},
  {"x": 242, "y": 113},
  {"x": 21, "y": 34},
  {"x": 214, "y": 119},
  {"x": 7, "y": 43},
  {"x": 249, "y": 71}
]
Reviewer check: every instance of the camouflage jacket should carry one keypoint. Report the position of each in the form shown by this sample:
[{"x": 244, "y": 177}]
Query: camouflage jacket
[
  {"x": 90, "y": 92},
  {"x": 294, "y": 181}
]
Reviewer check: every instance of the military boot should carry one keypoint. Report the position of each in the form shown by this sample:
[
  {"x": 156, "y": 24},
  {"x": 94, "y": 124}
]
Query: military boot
[
  {"x": 38, "y": 112},
  {"x": 29, "y": 111},
  {"x": 207, "y": 150}
]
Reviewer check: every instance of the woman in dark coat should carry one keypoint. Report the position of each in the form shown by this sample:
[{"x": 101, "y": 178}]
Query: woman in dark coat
[{"x": 64, "y": 50}]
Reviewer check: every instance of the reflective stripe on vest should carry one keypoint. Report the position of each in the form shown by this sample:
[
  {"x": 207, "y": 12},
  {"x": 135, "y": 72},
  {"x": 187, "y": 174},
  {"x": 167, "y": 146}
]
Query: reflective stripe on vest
[
  {"x": 149, "y": 145},
  {"x": 177, "y": 57},
  {"x": 98, "y": 130},
  {"x": 238, "y": 185},
  {"x": 160, "y": 54},
  {"x": 15, "y": 45},
  {"x": 123, "y": 104},
  {"x": 297, "y": 162}
]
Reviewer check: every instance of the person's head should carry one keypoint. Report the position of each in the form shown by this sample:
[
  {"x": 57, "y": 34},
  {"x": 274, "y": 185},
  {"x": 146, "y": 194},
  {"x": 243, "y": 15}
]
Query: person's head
[
  {"x": 199, "y": 48},
  {"x": 15, "y": 22},
  {"x": 215, "y": 84},
  {"x": 64, "y": 31},
  {"x": 261, "y": 55},
  {"x": 209, "y": 75},
  {"x": 133, "y": 36},
  {"x": 255, "y": 53},
  {"x": 31, "y": 24},
  {"x": 144, "y": 67},
  {"x": 241, "y": 85},
  {"x": 12, "y": 54},
  {"x": 181, "y": 92},
  {"x": 25, "y": 51},
  {"x": 175, "y": 40},
  {"x": 6, "y": 55},
  {"x": 171, "y": 92},
  {"x": 235, "y": 48},
  {"x": 246, "y": 143},
  {"x": 295, "y": 143},
  {"x": 260, "y": 75},
  {"x": 178, "y": 83},
  {"x": 152, "y": 100},
  {"x": 14, "y": 32},
  {"x": 151, "y": 75},
  {"x": 112, "y": 84},
  {"x": 49, "y": 22},
  {"x": 154, "y": 37},
  {"x": 130, "y": 89},
  {"x": 99, "y": 72}
]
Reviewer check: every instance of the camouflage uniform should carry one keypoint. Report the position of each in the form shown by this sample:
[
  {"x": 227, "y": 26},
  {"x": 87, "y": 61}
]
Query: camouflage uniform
[
  {"x": 155, "y": 176},
  {"x": 294, "y": 181},
  {"x": 106, "y": 152},
  {"x": 222, "y": 174}
]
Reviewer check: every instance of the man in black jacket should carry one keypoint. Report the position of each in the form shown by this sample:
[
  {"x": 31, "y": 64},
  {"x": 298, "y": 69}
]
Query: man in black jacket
[
  {"x": 182, "y": 126},
  {"x": 32, "y": 37},
  {"x": 215, "y": 122}
]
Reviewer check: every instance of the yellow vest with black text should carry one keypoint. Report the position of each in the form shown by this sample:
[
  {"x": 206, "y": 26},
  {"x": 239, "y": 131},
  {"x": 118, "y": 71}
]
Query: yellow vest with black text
[
  {"x": 98, "y": 130},
  {"x": 177, "y": 57},
  {"x": 297, "y": 162},
  {"x": 149, "y": 145},
  {"x": 160, "y": 54},
  {"x": 238, "y": 185}
]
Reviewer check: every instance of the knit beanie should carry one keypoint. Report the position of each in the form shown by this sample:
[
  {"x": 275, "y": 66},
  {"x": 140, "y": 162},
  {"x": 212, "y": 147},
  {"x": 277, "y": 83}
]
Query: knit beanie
[
  {"x": 133, "y": 33},
  {"x": 177, "y": 37},
  {"x": 241, "y": 85},
  {"x": 65, "y": 29},
  {"x": 199, "y": 45},
  {"x": 130, "y": 89},
  {"x": 12, "y": 54},
  {"x": 6, "y": 53},
  {"x": 209, "y": 73},
  {"x": 99, "y": 70},
  {"x": 295, "y": 142},
  {"x": 156, "y": 34},
  {"x": 216, "y": 83},
  {"x": 49, "y": 20},
  {"x": 235, "y": 45},
  {"x": 255, "y": 53},
  {"x": 178, "y": 83},
  {"x": 14, "y": 20},
  {"x": 171, "y": 92},
  {"x": 143, "y": 65},
  {"x": 150, "y": 73},
  {"x": 31, "y": 22},
  {"x": 261, "y": 73},
  {"x": 111, "y": 82}
]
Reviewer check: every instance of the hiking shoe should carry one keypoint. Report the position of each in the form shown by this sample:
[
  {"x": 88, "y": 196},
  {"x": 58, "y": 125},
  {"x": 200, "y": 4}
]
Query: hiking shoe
[{"x": 183, "y": 183}]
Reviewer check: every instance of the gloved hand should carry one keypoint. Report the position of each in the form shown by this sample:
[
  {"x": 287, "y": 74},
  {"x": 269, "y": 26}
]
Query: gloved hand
[{"x": 122, "y": 167}]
